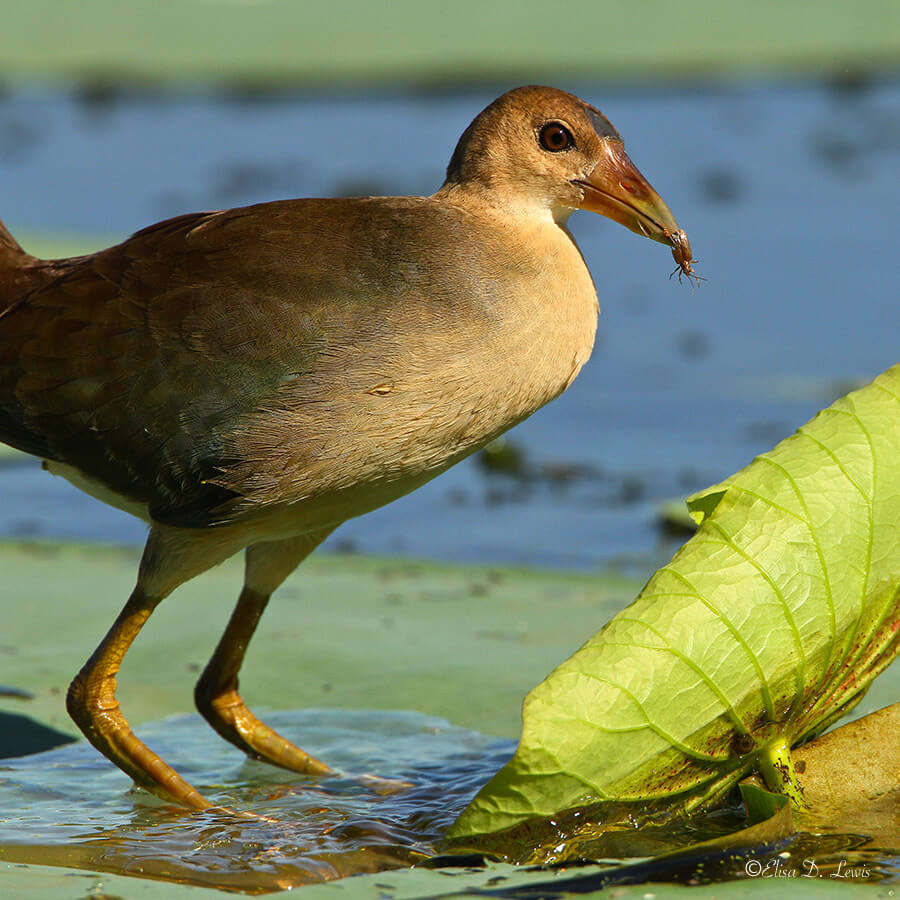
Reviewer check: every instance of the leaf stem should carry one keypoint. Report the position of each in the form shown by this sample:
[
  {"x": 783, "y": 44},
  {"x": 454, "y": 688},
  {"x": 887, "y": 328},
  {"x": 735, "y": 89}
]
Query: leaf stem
[{"x": 777, "y": 770}]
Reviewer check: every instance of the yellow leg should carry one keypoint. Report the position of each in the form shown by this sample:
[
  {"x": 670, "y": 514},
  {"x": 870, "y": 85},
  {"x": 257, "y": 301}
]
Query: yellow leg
[
  {"x": 92, "y": 703},
  {"x": 221, "y": 705},
  {"x": 267, "y": 565}
]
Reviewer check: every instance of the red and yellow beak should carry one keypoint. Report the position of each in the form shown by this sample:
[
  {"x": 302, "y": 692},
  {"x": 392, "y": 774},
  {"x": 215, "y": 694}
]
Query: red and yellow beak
[{"x": 617, "y": 190}]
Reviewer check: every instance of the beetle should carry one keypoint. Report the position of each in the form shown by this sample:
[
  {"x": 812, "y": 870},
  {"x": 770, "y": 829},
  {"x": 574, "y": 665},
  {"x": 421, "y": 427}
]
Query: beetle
[{"x": 681, "y": 253}]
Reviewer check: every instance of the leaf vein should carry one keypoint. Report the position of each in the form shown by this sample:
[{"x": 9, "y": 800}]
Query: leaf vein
[
  {"x": 800, "y": 672},
  {"x": 726, "y": 703},
  {"x": 829, "y": 590},
  {"x": 877, "y": 383},
  {"x": 867, "y": 568},
  {"x": 686, "y": 749},
  {"x": 765, "y": 689}
]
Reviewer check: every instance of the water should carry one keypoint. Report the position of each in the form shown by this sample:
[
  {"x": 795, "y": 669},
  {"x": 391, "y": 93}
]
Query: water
[
  {"x": 788, "y": 193},
  {"x": 70, "y": 807}
]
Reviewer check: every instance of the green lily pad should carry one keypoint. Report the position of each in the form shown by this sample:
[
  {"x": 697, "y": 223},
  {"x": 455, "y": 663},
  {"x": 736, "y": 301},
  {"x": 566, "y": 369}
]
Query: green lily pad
[
  {"x": 405, "y": 40},
  {"x": 765, "y": 628},
  {"x": 51, "y": 245},
  {"x": 344, "y": 632},
  {"x": 10, "y": 456}
]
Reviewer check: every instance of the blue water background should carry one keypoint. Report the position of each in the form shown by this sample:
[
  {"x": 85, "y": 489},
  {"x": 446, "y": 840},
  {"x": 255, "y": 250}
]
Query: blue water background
[{"x": 789, "y": 193}]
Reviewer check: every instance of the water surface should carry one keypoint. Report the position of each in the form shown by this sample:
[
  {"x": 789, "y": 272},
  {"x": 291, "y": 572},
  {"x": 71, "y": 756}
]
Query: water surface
[
  {"x": 788, "y": 193},
  {"x": 70, "y": 807}
]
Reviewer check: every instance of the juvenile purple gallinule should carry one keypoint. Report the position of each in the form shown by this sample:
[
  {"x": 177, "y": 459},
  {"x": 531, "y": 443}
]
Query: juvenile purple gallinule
[{"x": 251, "y": 378}]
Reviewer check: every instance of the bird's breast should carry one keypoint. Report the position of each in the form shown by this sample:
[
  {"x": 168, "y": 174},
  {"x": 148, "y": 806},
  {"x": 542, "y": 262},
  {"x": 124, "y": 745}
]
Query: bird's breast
[{"x": 444, "y": 376}]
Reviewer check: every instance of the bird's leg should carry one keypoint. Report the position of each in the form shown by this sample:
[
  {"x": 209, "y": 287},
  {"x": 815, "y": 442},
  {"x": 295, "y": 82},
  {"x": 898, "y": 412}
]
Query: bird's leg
[
  {"x": 216, "y": 694},
  {"x": 218, "y": 700},
  {"x": 92, "y": 703},
  {"x": 171, "y": 557}
]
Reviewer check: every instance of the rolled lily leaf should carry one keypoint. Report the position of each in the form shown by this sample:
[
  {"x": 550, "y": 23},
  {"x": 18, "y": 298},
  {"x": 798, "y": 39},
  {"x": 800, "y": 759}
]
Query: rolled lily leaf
[{"x": 766, "y": 627}]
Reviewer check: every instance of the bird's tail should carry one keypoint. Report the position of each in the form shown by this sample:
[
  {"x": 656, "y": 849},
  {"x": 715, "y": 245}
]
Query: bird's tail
[
  {"x": 12, "y": 260},
  {"x": 11, "y": 252},
  {"x": 20, "y": 272}
]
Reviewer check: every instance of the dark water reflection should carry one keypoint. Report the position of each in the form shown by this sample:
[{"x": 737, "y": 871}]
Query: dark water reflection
[{"x": 788, "y": 193}]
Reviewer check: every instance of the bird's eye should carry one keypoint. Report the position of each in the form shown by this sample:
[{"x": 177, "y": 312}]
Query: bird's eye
[{"x": 555, "y": 137}]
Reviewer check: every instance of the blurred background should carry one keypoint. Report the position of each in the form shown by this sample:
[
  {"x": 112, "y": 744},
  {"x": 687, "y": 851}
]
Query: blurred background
[{"x": 772, "y": 130}]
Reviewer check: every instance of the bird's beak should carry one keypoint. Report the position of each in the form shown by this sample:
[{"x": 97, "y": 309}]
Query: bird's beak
[{"x": 617, "y": 190}]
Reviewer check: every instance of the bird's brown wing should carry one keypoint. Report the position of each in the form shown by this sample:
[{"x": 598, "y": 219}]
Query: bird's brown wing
[
  {"x": 134, "y": 365},
  {"x": 168, "y": 367}
]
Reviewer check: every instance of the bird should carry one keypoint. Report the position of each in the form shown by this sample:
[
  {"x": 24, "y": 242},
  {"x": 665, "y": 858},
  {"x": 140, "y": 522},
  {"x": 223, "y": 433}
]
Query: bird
[{"x": 248, "y": 379}]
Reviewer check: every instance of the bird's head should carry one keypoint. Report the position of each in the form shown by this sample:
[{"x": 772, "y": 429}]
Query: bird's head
[{"x": 543, "y": 151}]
